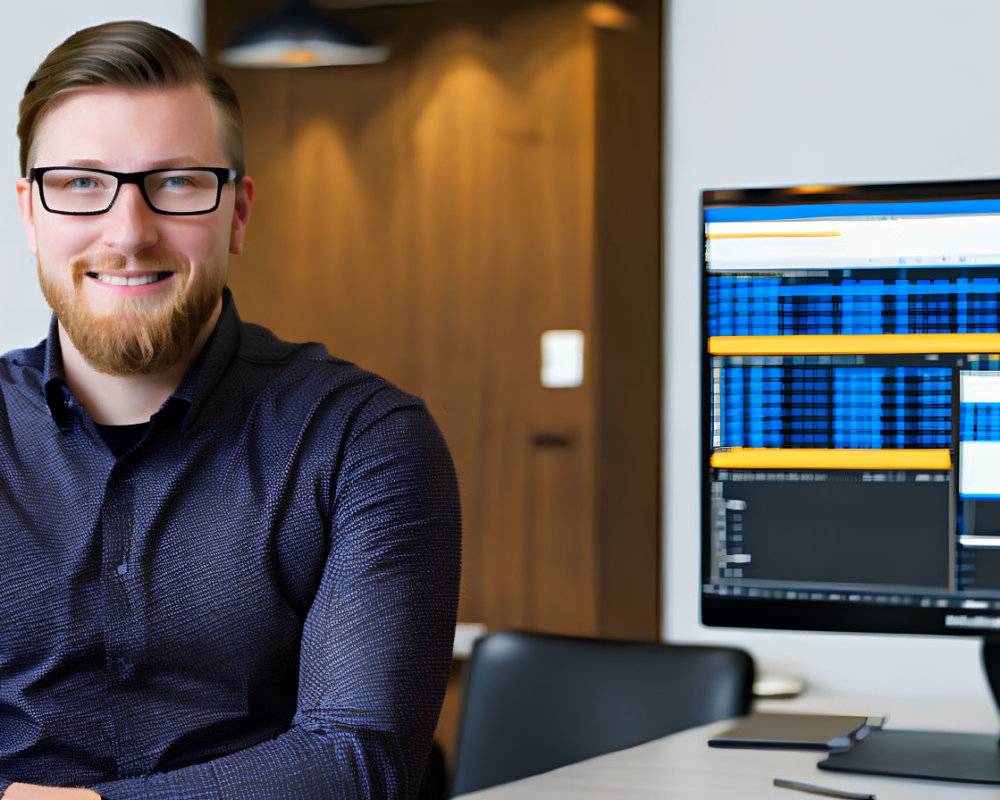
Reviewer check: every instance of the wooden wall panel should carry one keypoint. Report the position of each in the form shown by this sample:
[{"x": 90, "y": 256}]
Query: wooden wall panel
[
  {"x": 560, "y": 579},
  {"x": 627, "y": 329}
]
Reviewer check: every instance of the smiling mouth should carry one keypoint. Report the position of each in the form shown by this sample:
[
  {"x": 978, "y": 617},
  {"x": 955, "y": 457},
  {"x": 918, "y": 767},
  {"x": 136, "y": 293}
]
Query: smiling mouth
[{"x": 129, "y": 280}]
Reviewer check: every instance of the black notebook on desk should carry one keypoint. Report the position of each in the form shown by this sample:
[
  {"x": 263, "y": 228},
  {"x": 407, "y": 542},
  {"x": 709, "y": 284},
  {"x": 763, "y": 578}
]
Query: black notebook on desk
[{"x": 796, "y": 731}]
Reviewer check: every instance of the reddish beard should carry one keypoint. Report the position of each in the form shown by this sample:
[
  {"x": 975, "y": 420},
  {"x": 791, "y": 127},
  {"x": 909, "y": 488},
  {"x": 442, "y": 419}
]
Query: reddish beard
[{"x": 142, "y": 335}]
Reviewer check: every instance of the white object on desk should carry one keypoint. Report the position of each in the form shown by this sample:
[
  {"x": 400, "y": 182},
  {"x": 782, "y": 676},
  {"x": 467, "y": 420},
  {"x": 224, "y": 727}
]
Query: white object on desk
[
  {"x": 466, "y": 634},
  {"x": 771, "y": 684}
]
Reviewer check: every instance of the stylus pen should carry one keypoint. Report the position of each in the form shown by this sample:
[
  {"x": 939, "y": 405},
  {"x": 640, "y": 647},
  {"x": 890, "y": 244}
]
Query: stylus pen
[{"x": 812, "y": 788}]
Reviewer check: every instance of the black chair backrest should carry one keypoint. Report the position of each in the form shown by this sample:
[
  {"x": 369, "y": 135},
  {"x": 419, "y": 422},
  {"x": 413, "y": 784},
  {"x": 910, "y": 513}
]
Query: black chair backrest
[{"x": 533, "y": 702}]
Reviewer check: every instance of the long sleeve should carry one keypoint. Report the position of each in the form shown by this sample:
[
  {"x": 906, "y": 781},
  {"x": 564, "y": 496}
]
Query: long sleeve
[{"x": 377, "y": 639}]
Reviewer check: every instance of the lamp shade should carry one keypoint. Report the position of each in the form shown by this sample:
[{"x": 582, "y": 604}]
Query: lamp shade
[{"x": 298, "y": 35}]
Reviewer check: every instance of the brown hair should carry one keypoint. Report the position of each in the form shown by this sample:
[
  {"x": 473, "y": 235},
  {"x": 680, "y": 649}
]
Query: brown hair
[{"x": 132, "y": 55}]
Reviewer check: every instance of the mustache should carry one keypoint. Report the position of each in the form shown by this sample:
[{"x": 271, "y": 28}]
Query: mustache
[{"x": 119, "y": 262}]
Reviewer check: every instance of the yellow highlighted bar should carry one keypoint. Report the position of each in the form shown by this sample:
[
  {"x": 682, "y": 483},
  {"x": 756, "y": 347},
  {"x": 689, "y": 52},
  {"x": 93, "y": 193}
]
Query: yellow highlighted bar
[
  {"x": 853, "y": 343},
  {"x": 775, "y": 235},
  {"x": 817, "y": 458}
]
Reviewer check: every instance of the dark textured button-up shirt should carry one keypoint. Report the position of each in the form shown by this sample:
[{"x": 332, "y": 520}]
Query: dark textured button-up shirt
[{"x": 255, "y": 600}]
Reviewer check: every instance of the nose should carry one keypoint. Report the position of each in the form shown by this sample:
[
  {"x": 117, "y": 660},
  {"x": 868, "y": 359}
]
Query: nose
[{"x": 129, "y": 225}]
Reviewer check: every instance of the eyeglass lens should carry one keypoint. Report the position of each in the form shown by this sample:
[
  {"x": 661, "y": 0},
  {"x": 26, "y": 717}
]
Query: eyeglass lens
[{"x": 175, "y": 191}]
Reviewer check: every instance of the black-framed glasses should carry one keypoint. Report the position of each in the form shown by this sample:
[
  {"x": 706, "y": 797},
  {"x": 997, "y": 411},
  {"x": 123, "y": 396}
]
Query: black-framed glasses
[{"x": 178, "y": 190}]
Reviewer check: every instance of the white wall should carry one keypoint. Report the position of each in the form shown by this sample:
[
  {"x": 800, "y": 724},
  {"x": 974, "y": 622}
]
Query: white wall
[
  {"x": 772, "y": 92},
  {"x": 31, "y": 29}
]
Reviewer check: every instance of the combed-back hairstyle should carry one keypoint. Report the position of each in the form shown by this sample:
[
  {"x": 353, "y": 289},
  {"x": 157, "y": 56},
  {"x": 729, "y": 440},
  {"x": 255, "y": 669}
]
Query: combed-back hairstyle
[{"x": 129, "y": 55}]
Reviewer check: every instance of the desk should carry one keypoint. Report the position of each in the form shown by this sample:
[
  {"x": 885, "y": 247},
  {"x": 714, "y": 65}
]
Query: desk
[{"x": 684, "y": 766}]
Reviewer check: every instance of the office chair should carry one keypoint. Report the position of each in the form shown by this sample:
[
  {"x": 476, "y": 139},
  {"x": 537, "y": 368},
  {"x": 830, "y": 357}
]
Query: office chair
[{"x": 533, "y": 702}]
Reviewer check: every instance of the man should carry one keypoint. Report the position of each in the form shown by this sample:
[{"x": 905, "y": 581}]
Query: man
[{"x": 231, "y": 563}]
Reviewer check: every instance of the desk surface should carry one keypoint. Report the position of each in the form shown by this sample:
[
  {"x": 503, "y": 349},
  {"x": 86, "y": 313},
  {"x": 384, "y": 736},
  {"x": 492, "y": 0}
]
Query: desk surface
[{"x": 684, "y": 766}]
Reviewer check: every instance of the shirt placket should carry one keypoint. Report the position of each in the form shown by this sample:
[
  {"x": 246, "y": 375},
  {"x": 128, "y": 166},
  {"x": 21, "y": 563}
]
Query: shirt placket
[{"x": 117, "y": 522}]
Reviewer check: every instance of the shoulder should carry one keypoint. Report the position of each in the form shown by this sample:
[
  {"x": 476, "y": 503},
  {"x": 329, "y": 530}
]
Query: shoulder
[
  {"x": 24, "y": 365},
  {"x": 25, "y": 357},
  {"x": 22, "y": 385},
  {"x": 305, "y": 374}
]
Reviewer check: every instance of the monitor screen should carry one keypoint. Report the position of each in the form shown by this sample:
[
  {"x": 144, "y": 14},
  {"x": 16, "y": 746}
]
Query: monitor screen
[{"x": 851, "y": 408}]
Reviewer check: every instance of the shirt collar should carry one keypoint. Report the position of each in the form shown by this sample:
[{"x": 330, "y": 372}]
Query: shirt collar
[
  {"x": 211, "y": 364},
  {"x": 56, "y": 391},
  {"x": 189, "y": 397}
]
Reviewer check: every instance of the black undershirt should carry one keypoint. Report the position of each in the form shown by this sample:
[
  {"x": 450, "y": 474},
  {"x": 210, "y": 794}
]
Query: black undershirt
[{"x": 120, "y": 438}]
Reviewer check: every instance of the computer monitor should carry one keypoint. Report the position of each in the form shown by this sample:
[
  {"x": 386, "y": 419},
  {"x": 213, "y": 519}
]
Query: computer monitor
[{"x": 851, "y": 425}]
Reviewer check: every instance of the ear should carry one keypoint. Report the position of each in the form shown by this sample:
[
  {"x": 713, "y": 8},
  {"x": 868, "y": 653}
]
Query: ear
[
  {"x": 241, "y": 214},
  {"x": 27, "y": 212}
]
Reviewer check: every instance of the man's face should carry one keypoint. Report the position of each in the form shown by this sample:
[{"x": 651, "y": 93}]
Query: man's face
[{"x": 134, "y": 289}]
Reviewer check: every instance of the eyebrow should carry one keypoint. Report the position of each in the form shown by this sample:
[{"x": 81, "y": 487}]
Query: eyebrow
[
  {"x": 163, "y": 163},
  {"x": 86, "y": 162}
]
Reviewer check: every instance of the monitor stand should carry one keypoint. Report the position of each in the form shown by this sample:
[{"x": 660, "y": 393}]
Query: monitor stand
[{"x": 932, "y": 755}]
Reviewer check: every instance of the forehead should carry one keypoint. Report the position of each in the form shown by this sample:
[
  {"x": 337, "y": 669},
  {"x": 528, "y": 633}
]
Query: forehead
[{"x": 129, "y": 129}]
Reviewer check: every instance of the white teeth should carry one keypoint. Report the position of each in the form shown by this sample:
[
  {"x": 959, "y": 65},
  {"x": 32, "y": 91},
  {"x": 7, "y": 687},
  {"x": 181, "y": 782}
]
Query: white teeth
[{"x": 122, "y": 280}]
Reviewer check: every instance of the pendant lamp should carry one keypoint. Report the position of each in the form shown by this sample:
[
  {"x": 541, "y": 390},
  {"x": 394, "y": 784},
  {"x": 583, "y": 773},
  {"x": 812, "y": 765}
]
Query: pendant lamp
[{"x": 298, "y": 35}]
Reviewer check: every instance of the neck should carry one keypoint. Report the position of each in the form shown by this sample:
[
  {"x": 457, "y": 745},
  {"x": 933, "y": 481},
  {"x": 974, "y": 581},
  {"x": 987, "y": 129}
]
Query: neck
[{"x": 129, "y": 399}]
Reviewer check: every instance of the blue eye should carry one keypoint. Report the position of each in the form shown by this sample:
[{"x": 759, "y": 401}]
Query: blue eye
[
  {"x": 82, "y": 182},
  {"x": 176, "y": 182}
]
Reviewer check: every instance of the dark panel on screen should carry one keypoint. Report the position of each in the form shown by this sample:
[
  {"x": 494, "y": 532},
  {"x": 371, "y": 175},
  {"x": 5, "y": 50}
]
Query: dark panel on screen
[
  {"x": 985, "y": 515},
  {"x": 981, "y": 569},
  {"x": 843, "y": 531}
]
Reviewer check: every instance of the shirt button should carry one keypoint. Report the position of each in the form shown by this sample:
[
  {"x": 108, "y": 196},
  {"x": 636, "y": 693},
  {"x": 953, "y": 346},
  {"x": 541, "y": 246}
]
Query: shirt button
[{"x": 122, "y": 569}]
